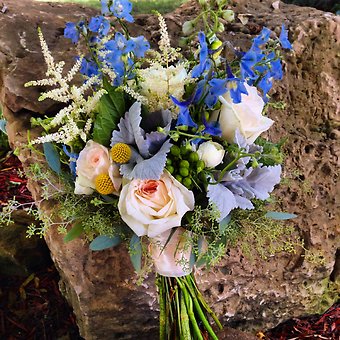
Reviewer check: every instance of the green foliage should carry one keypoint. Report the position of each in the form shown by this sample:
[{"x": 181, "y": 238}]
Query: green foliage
[
  {"x": 103, "y": 242},
  {"x": 110, "y": 108},
  {"x": 52, "y": 157}
]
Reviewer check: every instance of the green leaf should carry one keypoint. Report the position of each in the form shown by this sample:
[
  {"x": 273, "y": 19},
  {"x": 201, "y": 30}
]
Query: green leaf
[
  {"x": 136, "y": 252},
  {"x": 111, "y": 108},
  {"x": 52, "y": 157},
  {"x": 276, "y": 215},
  {"x": 75, "y": 232},
  {"x": 103, "y": 242}
]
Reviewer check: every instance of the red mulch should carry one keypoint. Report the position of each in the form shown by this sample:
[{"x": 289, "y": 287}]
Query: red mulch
[
  {"x": 11, "y": 183},
  {"x": 326, "y": 326},
  {"x": 33, "y": 308}
]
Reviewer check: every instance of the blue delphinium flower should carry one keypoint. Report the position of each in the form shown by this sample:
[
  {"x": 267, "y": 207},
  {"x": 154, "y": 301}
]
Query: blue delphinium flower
[
  {"x": 73, "y": 160},
  {"x": 265, "y": 84},
  {"x": 205, "y": 62},
  {"x": 212, "y": 128},
  {"x": 141, "y": 45},
  {"x": 248, "y": 61},
  {"x": 89, "y": 68},
  {"x": 120, "y": 44},
  {"x": 122, "y": 9},
  {"x": 71, "y": 32},
  {"x": 262, "y": 38},
  {"x": 184, "y": 117},
  {"x": 100, "y": 25},
  {"x": 284, "y": 38},
  {"x": 105, "y": 7}
]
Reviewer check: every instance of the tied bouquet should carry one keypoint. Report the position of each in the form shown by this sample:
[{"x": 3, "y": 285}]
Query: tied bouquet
[{"x": 160, "y": 148}]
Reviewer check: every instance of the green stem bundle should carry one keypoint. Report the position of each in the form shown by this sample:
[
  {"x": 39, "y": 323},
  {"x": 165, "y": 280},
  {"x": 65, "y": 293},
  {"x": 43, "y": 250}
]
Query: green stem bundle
[{"x": 183, "y": 310}]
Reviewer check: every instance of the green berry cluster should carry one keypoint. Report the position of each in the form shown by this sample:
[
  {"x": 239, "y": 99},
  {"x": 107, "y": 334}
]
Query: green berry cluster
[{"x": 185, "y": 165}]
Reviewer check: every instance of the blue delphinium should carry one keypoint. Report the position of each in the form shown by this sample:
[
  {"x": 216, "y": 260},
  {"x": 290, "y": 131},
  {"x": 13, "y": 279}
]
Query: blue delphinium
[
  {"x": 205, "y": 62},
  {"x": 141, "y": 45},
  {"x": 71, "y": 32},
  {"x": 122, "y": 9},
  {"x": 89, "y": 68},
  {"x": 285, "y": 43},
  {"x": 100, "y": 25}
]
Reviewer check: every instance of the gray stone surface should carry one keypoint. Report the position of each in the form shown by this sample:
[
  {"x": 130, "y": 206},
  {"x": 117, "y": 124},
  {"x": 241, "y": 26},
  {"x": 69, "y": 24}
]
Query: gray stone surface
[{"x": 246, "y": 293}]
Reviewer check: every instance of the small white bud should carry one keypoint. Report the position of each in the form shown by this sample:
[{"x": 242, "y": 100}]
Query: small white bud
[
  {"x": 229, "y": 15},
  {"x": 211, "y": 153}
]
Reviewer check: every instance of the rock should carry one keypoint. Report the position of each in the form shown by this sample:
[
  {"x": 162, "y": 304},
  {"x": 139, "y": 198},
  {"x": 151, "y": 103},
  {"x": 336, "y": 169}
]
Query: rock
[
  {"x": 20, "y": 255},
  {"x": 248, "y": 293}
]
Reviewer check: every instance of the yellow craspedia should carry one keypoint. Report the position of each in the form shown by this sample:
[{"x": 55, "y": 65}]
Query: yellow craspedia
[
  {"x": 120, "y": 153},
  {"x": 104, "y": 184}
]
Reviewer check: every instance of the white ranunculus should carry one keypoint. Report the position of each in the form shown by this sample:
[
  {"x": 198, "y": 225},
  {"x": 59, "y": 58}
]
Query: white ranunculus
[
  {"x": 211, "y": 153},
  {"x": 158, "y": 83},
  {"x": 173, "y": 260},
  {"x": 246, "y": 116},
  {"x": 150, "y": 207},
  {"x": 93, "y": 160}
]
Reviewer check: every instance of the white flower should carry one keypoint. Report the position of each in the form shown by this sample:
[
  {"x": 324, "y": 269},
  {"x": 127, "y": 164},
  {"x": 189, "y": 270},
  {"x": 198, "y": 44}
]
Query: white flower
[
  {"x": 246, "y": 116},
  {"x": 158, "y": 83},
  {"x": 150, "y": 207},
  {"x": 172, "y": 256},
  {"x": 211, "y": 153}
]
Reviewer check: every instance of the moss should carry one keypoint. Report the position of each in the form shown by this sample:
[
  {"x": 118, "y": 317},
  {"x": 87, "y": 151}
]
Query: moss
[{"x": 321, "y": 295}]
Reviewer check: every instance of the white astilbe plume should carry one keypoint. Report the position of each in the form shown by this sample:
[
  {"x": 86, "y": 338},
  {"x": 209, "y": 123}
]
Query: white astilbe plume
[
  {"x": 168, "y": 54},
  {"x": 135, "y": 95},
  {"x": 80, "y": 104}
]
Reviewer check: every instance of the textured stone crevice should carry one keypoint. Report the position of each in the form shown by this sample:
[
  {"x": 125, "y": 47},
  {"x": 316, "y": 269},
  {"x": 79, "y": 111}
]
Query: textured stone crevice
[{"x": 247, "y": 293}]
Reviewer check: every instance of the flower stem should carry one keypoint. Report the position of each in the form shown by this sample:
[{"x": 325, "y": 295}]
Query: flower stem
[{"x": 162, "y": 313}]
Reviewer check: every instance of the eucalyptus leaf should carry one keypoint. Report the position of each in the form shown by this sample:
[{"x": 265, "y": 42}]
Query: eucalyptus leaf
[
  {"x": 111, "y": 108},
  {"x": 277, "y": 215},
  {"x": 224, "y": 224},
  {"x": 52, "y": 157},
  {"x": 75, "y": 232},
  {"x": 3, "y": 123},
  {"x": 103, "y": 242},
  {"x": 136, "y": 252}
]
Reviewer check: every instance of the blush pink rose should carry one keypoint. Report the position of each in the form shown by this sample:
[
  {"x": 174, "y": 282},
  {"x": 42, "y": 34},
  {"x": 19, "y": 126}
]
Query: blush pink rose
[
  {"x": 94, "y": 160},
  {"x": 172, "y": 258},
  {"x": 150, "y": 207}
]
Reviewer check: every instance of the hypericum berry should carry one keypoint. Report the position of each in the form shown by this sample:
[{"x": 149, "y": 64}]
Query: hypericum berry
[
  {"x": 179, "y": 178},
  {"x": 175, "y": 150},
  {"x": 184, "y": 172},
  {"x": 170, "y": 168},
  {"x": 121, "y": 153},
  {"x": 104, "y": 184},
  {"x": 168, "y": 161},
  {"x": 184, "y": 164},
  {"x": 184, "y": 150},
  {"x": 193, "y": 157},
  {"x": 200, "y": 165},
  {"x": 187, "y": 182}
]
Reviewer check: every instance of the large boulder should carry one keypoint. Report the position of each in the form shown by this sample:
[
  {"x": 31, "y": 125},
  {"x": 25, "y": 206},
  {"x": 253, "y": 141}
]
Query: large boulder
[{"x": 249, "y": 293}]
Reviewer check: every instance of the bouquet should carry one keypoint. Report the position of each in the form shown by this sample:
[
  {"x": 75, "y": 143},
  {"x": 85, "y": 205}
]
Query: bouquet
[{"x": 160, "y": 148}]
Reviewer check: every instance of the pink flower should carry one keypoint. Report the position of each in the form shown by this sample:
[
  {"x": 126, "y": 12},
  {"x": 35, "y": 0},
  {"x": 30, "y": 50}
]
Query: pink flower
[
  {"x": 150, "y": 207},
  {"x": 174, "y": 259},
  {"x": 94, "y": 160}
]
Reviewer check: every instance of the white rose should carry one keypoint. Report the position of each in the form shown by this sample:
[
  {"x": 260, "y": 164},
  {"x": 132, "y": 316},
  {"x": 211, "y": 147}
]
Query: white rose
[
  {"x": 211, "y": 153},
  {"x": 246, "y": 116},
  {"x": 94, "y": 160},
  {"x": 150, "y": 207},
  {"x": 158, "y": 83},
  {"x": 174, "y": 259}
]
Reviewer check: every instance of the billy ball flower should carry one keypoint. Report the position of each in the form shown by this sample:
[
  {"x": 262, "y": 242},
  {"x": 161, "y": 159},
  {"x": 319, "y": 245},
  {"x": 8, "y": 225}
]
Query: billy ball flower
[
  {"x": 121, "y": 153},
  {"x": 104, "y": 185}
]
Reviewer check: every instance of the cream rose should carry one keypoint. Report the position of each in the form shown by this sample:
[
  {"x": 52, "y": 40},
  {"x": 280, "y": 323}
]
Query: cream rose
[
  {"x": 94, "y": 160},
  {"x": 172, "y": 258},
  {"x": 150, "y": 207},
  {"x": 211, "y": 153},
  {"x": 246, "y": 116}
]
